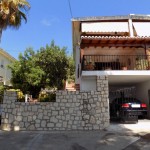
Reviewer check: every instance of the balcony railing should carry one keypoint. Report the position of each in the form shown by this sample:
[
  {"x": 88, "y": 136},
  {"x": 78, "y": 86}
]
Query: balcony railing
[{"x": 116, "y": 62}]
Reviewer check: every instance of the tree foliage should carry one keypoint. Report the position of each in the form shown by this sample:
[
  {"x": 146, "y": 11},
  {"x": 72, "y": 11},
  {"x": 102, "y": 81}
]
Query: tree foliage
[
  {"x": 12, "y": 12},
  {"x": 47, "y": 68},
  {"x": 71, "y": 69},
  {"x": 25, "y": 74},
  {"x": 54, "y": 63}
]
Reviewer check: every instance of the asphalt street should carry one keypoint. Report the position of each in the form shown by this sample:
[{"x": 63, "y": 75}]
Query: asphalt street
[
  {"x": 116, "y": 137},
  {"x": 91, "y": 140}
]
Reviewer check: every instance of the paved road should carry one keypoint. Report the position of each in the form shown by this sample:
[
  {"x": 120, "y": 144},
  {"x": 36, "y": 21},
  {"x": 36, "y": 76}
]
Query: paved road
[
  {"x": 101, "y": 140},
  {"x": 142, "y": 144},
  {"x": 115, "y": 137}
]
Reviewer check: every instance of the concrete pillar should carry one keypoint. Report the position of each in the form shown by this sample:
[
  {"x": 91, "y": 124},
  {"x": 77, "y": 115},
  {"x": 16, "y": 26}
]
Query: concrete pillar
[{"x": 130, "y": 27}]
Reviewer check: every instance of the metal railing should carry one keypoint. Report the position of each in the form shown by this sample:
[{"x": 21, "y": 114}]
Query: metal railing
[{"x": 116, "y": 62}]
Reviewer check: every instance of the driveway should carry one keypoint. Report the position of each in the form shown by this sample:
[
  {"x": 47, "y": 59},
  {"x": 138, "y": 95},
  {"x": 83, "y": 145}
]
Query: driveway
[
  {"x": 109, "y": 139},
  {"x": 142, "y": 127}
]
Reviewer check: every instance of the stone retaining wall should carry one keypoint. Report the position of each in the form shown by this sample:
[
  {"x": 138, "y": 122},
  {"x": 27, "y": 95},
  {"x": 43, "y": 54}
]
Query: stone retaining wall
[{"x": 74, "y": 110}]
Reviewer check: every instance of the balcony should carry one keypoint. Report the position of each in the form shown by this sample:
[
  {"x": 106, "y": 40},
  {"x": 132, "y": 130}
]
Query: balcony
[{"x": 115, "y": 62}]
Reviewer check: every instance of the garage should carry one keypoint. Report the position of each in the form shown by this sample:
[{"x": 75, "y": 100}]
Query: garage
[{"x": 136, "y": 87}]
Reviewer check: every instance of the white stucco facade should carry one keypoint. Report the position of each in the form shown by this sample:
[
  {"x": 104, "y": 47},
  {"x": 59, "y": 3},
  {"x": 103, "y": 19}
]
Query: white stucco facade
[
  {"x": 90, "y": 33},
  {"x": 143, "y": 93},
  {"x": 78, "y": 65},
  {"x": 88, "y": 83},
  {"x": 5, "y": 73}
]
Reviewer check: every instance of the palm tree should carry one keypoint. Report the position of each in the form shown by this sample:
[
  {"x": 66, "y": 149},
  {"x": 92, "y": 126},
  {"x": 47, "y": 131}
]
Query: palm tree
[{"x": 11, "y": 13}]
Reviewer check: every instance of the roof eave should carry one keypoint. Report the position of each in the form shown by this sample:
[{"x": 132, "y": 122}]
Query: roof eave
[
  {"x": 7, "y": 55},
  {"x": 121, "y": 17}
]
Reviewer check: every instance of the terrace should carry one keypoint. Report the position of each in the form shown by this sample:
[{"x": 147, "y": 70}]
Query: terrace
[{"x": 115, "y": 62}]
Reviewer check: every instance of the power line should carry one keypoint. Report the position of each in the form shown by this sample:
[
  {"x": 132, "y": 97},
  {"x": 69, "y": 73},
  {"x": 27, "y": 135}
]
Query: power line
[
  {"x": 75, "y": 34},
  {"x": 70, "y": 8}
]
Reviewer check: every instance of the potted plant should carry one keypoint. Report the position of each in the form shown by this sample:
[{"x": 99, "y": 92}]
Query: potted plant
[
  {"x": 90, "y": 66},
  {"x": 142, "y": 64},
  {"x": 124, "y": 67}
]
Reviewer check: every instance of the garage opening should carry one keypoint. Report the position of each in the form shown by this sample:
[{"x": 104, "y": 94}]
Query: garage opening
[
  {"x": 132, "y": 86},
  {"x": 125, "y": 106}
]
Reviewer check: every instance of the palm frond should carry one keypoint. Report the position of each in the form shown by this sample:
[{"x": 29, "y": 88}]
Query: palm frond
[
  {"x": 23, "y": 15},
  {"x": 24, "y": 3},
  {"x": 12, "y": 13}
]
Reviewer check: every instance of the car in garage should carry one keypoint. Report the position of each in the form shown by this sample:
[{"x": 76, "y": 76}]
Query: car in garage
[{"x": 127, "y": 109}]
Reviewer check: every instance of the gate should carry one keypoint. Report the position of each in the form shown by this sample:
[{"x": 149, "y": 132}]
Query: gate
[{"x": 123, "y": 104}]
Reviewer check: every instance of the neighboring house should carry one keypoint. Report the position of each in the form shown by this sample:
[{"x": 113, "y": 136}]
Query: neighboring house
[
  {"x": 5, "y": 73},
  {"x": 113, "y": 46}
]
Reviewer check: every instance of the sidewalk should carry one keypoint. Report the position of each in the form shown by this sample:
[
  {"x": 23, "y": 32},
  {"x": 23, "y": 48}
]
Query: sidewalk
[{"x": 142, "y": 127}]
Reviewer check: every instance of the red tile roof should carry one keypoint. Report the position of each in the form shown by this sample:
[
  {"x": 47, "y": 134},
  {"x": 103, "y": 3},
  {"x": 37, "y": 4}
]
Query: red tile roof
[{"x": 115, "y": 37}]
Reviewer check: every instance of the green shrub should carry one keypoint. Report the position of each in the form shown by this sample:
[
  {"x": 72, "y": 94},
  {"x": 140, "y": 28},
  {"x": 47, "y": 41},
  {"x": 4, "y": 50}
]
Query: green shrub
[
  {"x": 142, "y": 64},
  {"x": 47, "y": 96},
  {"x": 1, "y": 92},
  {"x": 20, "y": 95}
]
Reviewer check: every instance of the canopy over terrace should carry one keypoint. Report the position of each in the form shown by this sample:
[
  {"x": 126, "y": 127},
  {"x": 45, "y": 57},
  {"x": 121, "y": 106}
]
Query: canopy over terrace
[
  {"x": 96, "y": 56},
  {"x": 114, "y": 41}
]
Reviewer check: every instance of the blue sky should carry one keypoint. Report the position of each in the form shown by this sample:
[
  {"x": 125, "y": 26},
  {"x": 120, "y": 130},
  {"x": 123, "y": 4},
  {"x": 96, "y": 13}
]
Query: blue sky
[{"x": 51, "y": 20}]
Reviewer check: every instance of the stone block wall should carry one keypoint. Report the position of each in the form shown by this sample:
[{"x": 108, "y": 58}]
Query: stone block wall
[{"x": 73, "y": 110}]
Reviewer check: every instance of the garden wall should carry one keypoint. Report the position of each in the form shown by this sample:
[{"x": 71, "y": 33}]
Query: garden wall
[{"x": 73, "y": 110}]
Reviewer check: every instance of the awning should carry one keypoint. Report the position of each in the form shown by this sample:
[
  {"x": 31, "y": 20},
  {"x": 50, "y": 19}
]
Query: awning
[
  {"x": 105, "y": 27},
  {"x": 142, "y": 28}
]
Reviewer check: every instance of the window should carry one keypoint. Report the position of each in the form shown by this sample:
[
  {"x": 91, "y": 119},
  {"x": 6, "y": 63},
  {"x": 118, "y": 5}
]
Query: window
[{"x": 2, "y": 64}]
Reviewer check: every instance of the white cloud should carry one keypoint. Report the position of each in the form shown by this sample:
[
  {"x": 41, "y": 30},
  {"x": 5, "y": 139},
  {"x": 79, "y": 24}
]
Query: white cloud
[{"x": 48, "y": 22}]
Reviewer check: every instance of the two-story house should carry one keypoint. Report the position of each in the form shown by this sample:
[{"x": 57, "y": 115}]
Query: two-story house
[
  {"x": 113, "y": 46},
  {"x": 5, "y": 73}
]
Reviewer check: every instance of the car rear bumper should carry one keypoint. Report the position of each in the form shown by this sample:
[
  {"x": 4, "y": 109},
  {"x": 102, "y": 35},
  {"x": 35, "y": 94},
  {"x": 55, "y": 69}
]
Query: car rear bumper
[{"x": 135, "y": 112}]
